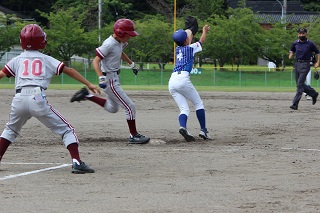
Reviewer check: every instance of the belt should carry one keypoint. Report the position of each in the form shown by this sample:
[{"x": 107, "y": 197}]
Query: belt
[
  {"x": 19, "y": 90},
  {"x": 179, "y": 72},
  {"x": 105, "y": 73},
  {"x": 302, "y": 61}
]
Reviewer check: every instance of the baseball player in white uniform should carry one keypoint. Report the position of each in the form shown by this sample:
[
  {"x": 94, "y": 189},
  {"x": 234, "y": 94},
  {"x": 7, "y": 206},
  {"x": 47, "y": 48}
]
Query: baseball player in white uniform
[
  {"x": 107, "y": 66},
  {"x": 308, "y": 78},
  {"x": 180, "y": 85},
  {"x": 33, "y": 71}
]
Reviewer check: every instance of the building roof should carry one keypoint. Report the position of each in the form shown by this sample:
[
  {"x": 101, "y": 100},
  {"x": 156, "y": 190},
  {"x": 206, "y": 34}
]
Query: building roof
[
  {"x": 6, "y": 11},
  {"x": 265, "y": 18},
  {"x": 271, "y": 11},
  {"x": 274, "y": 6}
]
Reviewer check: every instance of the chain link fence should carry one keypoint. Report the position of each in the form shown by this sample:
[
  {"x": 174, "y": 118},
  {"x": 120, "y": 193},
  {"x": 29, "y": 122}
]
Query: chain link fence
[{"x": 154, "y": 74}]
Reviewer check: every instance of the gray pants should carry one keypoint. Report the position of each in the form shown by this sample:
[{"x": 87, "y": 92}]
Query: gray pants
[{"x": 301, "y": 70}]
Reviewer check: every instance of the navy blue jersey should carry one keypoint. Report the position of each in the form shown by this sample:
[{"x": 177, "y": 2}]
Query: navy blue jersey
[{"x": 304, "y": 50}]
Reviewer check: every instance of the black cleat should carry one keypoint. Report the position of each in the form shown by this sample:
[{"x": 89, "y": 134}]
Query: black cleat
[
  {"x": 184, "y": 132},
  {"x": 314, "y": 99},
  {"x": 139, "y": 139},
  {"x": 81, "y": 168},
  {"x": 294, "y": 107},
  {"x": 80, "y": 95}
]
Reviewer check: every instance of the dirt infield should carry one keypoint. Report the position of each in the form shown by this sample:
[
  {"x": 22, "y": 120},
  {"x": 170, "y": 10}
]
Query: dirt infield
[{"x": 264, "y": 158}]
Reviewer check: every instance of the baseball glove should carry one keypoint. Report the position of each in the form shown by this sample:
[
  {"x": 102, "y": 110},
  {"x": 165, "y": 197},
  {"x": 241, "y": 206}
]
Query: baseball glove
[
  {"x": 191, "y": 23},
  {"x": 316, "y": 75}
]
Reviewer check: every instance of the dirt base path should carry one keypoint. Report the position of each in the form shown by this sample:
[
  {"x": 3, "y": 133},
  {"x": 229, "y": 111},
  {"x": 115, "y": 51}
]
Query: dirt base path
[{"x": 264, "y": 158}]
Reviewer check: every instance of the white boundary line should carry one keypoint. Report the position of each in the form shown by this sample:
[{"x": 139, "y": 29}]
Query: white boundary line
[
  {"x": 301, "y": 149},
  {"x": 29, "y": 163},
  {"x": 33, "y": 172}
]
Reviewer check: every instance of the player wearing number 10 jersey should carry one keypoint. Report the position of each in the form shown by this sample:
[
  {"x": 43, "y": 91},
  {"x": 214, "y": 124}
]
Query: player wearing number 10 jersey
[{"x": 33, "y": 71}]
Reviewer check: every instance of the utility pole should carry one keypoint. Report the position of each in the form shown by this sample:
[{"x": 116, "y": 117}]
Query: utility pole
[
  {"x": 99, "y": 18},
  {"x": 283, "y": 11}
]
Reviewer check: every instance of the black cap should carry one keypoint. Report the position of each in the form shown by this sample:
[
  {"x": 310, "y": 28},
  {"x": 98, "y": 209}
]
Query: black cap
[{"x": 302, "y": 30}]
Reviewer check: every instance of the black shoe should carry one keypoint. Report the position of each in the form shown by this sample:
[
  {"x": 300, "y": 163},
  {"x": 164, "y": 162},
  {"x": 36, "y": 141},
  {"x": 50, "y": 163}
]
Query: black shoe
[
  {"x": 294, "y": 107},
  {"x": 314, "y": 99},
  {"x": 139, "y": 139},
  {"x": 81, "y": 168},
  {"x": 80, "y": 95},
  {"x": 187, "y": 136}
]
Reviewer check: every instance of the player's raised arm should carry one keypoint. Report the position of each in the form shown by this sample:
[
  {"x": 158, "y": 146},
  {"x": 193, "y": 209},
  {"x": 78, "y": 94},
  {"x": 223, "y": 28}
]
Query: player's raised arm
[{"x": 205, "y": 30}]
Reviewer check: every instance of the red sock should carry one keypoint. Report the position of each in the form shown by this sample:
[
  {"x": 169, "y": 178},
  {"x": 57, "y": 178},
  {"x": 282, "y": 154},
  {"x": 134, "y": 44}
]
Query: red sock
[
  {"x": 74, "y": 152},
  {"x": 97, "y": 100},
  {"x": 132, "y": 127},
  {"x": 4, "y": 144}
]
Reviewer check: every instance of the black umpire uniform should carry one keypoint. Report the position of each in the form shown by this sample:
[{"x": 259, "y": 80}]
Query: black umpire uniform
[{"x": 303, "y": 48}]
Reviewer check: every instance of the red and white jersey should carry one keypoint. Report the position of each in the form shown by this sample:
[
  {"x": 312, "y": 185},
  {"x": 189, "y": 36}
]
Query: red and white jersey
[
  {"x": 33, "y": 68},
  {"x": 110, "y": 54}
]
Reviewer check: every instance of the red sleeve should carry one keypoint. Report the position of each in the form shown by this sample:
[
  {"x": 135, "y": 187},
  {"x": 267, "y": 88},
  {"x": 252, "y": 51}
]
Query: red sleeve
[
  {"x": 60, "y": 68},
  {"x": 7, "y": 71},
  {"x": 99, "y": 54}
]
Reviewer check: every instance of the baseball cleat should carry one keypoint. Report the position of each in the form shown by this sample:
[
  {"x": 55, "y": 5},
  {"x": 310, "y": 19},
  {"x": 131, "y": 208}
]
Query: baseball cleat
[
  {"x": 187, "y": 136},
  {"x": 80, "y": 95},
  {"x": 204, "y": 134},
  {"x": 139, "y": 139},
  {"x": 314, "y": 99},
  {"x": 80, "y": 168},
  {"x": 294, "y": 107}
]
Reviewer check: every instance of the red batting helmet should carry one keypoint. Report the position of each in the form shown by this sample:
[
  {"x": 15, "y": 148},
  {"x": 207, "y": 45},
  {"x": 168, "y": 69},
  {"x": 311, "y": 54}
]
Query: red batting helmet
[
  {"x": 32, "y": 37},
  {"x": 123, "y": 27}
]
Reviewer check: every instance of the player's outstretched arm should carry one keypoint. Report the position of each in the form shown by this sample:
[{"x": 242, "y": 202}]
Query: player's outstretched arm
[
  {"x": 205, "y": 30},
  {"x": 77, "y": 76}
]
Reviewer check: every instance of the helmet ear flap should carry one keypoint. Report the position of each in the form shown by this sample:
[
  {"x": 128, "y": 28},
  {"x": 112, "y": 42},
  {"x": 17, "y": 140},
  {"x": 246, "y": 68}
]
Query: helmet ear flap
[{"x": 119, "y": 33}]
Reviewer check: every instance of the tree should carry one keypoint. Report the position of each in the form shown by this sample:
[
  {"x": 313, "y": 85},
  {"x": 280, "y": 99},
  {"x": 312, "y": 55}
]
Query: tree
[
  {"x": 233, "y": 39},
  {"x": 66, "y": 37},
  {"x": 313, "y": 31},
  {"x": 311, "y": 5},
  {"x": 28, "y": 9},
  {"x": 207, "y": 8},
  {"x": 276, "y": 44},
  {"x": 10, "y": 28},
  {"x": 154, "y": 42}
]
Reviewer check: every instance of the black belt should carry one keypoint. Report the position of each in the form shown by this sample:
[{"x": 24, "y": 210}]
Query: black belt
[
  {"x": 302, "y": 61},
  {"x": 104, "y": 73},
  {"x": 19, "y": 90}
]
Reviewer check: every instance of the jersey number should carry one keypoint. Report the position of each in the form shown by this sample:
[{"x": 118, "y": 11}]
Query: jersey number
[{"x": 36, "y": 67}]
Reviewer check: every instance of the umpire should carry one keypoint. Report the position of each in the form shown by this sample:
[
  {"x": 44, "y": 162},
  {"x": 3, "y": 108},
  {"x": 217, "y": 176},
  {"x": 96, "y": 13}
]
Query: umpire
[{"x": 303, "y": 48}]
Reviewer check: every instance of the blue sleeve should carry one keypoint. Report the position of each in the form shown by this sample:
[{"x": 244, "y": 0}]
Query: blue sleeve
[
  {"x": 315, "y": 48},
  {"x": 293, "y": 47}
]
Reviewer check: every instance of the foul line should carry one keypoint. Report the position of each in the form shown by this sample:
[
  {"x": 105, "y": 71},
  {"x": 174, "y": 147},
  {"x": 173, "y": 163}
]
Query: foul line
[
  {"x": 301, "y": 149},
  {"x": 28, "y": 163},
  {"x": 34, "y": 172}
]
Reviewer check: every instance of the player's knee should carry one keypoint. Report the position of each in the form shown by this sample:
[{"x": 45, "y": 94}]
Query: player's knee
[
  {"x": 112, "y": 108},
  {"x": 199, "y": 105},
  {"x": 185, "y": 111}
]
